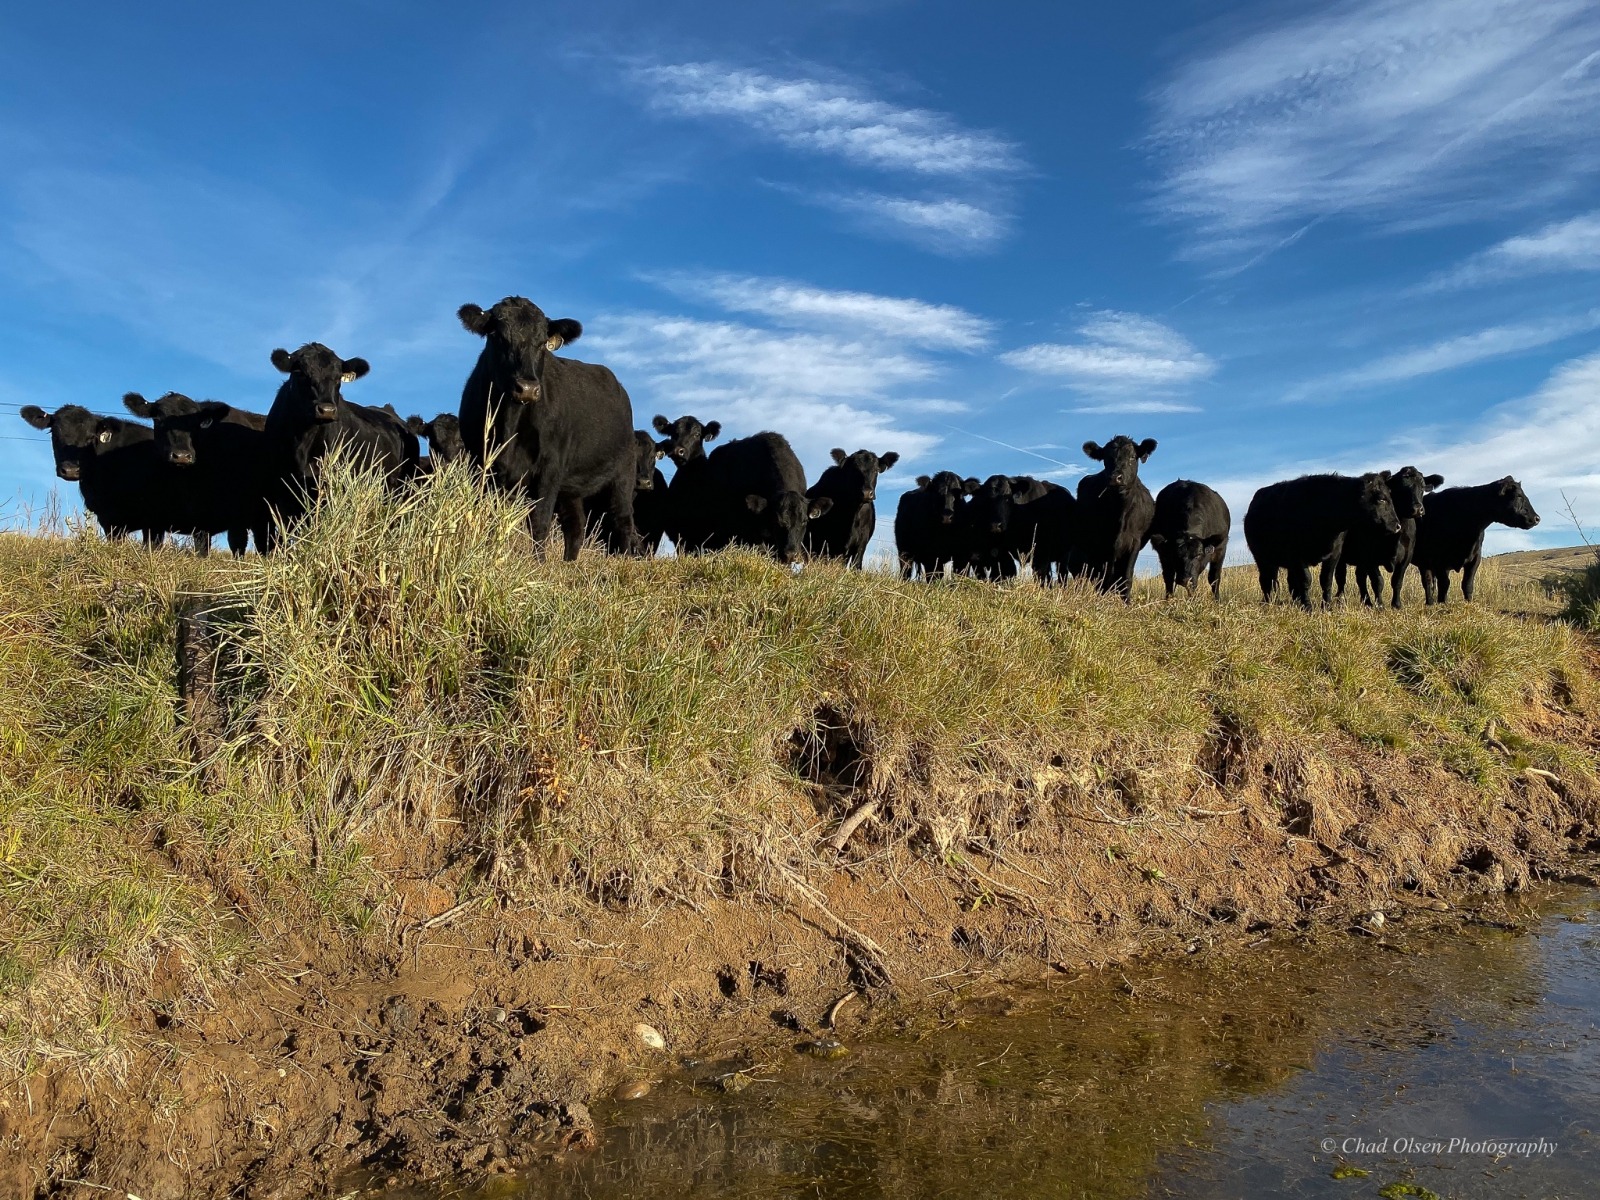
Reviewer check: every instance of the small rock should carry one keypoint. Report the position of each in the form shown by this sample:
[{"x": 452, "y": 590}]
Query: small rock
[
  {"x": 632, "y": 1089},
  {"x": 734, "y": 1083},
  {"x": 650, "y": 1036},
  {"x": 1375, "y": 918},
  {"x": 826, "y": 1048},
  {"x": 500, "y": 1016}
]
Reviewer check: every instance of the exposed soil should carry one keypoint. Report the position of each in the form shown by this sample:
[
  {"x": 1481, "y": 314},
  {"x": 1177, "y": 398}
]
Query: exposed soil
[{"x": 478, "y": 1043}]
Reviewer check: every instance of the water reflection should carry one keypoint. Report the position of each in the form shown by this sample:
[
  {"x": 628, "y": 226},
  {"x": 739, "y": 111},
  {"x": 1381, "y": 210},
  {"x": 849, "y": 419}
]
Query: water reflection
[{"x": 1182, "y": 1079}]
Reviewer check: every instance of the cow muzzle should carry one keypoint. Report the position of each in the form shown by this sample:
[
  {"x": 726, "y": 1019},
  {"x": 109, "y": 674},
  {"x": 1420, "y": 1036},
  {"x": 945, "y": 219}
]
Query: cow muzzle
[
  {"x": 69, "y": 472},
  {"x": 526, "y": 391},
  {"x": 324, "y": 412},
  {"x": 868, "y": 496},
  {"x": 181, "y": 458}
]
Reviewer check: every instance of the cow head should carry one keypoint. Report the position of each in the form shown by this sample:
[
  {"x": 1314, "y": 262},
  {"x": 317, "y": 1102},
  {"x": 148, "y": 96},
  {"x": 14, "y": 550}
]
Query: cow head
[
  {"x": 645, "y": 456},
  {"x": 949, "y": 493},
  {"x": 519, "y": 339},
  {"x": 863, "y": 468},
  {"x": 1511, "y": 505},
  {"x": 443, "y": 434},
  {"x": 1376, "y": 504},
  {"x": 685, "y": 438},
  {"x": 1121, "y": 456},
  {"x": 179, "y": 421},
  {"x": 315, "y": 373},
  {"x": 1407, "y": 487},
  {"x": 76, "y": 434},
  {"x": 1186, "y": 555},
  {"x": 995, "y": 503},
  {"x": 782, "y": 522}
]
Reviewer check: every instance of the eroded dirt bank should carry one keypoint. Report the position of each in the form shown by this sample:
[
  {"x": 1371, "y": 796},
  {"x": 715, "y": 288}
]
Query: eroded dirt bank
[{"x": 479, "y": 1046}]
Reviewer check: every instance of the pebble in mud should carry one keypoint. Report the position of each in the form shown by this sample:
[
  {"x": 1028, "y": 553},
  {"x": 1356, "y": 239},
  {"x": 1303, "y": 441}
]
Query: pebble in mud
[
  {"x": 632, "y": 1089},
  {"x": 826, "y": 1048},
  {"x": 650, "y": 1036}
]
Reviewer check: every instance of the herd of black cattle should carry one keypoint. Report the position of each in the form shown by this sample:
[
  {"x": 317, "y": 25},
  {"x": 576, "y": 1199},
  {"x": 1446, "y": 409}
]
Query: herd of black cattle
[{"x": 560, "y": 433}]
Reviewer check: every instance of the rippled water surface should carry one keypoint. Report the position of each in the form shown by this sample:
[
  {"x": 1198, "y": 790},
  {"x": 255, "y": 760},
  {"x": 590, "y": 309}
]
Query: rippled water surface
[{"x": 1280, "y": 1073}]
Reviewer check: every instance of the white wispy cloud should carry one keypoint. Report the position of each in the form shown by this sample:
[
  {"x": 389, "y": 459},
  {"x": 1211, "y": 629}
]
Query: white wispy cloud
[
  {"x": 1134, "y": 406},
  {"x": 830, "y": 117},
  {"x": 1119, "y": 352},
  {"x": 944, "y": 224},
  {"x": 1375, "y": 107},
  {"x": 1449, "y": 354},
  {"x": 1570, "y": 245},
  {"x": 914, "y": 322}
]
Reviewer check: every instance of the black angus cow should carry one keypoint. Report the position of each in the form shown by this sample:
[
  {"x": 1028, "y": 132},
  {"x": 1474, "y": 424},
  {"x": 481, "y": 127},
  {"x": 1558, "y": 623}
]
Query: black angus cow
[
  {"x": 554, "y": 430},
  {"x": 1002, "y": 524},
  {"x": 443, "y": 435},
  {"x": 930, "y": 524},
  {"x": 1450, "y": 535},
  {"x": 1045, "y": 527},
  {"x": 688, "y": 499},
  {"x": 1370, "y": 550},
  {"x": 1114, "y": 513},
  {"x": 114, "y": 463},
  {"x": 852, "y": 485},
  {"x": 218, "y": 456},
  {"x": 310, "y": 418},
  {"x": 1300, "y": 523},
  {"x": 1190, "y": 535},
  {"x": 755, "y": 496},
  {"x": 649, "y": 500}
]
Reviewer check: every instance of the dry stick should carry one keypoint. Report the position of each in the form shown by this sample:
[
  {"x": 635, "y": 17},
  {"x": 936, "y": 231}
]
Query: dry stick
[
  {"x": 861, "y": 813},
  {"x": 860, "y": 943}
]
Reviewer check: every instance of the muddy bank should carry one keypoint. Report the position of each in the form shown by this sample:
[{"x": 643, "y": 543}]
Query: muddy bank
[{"x": 479, "y": 1046}]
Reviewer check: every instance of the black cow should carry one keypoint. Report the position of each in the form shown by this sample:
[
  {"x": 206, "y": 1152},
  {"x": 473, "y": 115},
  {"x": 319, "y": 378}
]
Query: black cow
[
  {"x": 930, "y": 524},
  {"x": 689, "y": 498},
  {"x": 649, "y": 499},
  {"x": 443, "y": 435},
  {"x": 1002, "y": 524},
  {"x": 554, "y": 430},
  {"x": 218, "y": 453},
  {"x": 1114, "y": 513},
  {"x": 310, "y": 417},
  {"x": 1450, "y": 535},
  {"x": 1299, "y": 523},
  {"x": 115, "y": 466},
  {"x": 1371, "y": 550},
  {"x": 756, "y": 496},
  {"x": 852, "y": 484},
  {"x": 1190, "y": 534}
]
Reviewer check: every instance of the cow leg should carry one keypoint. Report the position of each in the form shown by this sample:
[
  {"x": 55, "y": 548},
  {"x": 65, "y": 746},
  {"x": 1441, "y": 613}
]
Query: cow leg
[
  {"x": 1170, "y": 578},
  {"x": 238, "y": 541},
  {"x": 202, "y": 544},
  {"x": 1325, "y": 575},
  {"x": 1269, "y": 581},
  {"x": 1469, "y": 577},
  {"x": 1342, "y": 573},
  {"x": 1444, "y": 586},
  {"x": 570, "y": 514},
  {"x": 619, "y": 511},
  {"x": 1300, "y": 584},
  {"x": 1215, "y": 573}
]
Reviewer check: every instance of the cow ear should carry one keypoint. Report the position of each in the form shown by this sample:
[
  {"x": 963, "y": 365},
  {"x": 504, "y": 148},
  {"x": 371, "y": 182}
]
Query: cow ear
[
  {"x": 885, "y": 461},
  {"x": 755, "y": 503},
  {"x": 137, "y": 404},
  {"x": 1093, "y": 450},
  {"x": 1215, "y": 540},
  {"x": 562, "y": 331},
  {"x": 36, "y": 416},
  {"x": 1019, "y": 482},
  {"x": 281, "y": 359},
  {"x": 1146, "y": 449},
  {"x": 661, "y": 424},
  {"x": 474, "y": 320},
  {"x": 820, "y": 506},
  {"x": 1385, "y": 475},
  {"x": 970, "y": 485},
  {"x": 417, "y": 426},
  {"x": 214, "y": 410},
  {"x": 710, "y": 430},
  {"x": 924, "y": 480},
  {"x": 1158, "y": 540},
  {"x": 1433, "y": 481},
  {"x": 838, "y": 456},
  {"x": 354, "y": 369}
]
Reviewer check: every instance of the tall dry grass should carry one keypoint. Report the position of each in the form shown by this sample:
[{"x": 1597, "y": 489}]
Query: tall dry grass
[{"x": 413, "y": 690}]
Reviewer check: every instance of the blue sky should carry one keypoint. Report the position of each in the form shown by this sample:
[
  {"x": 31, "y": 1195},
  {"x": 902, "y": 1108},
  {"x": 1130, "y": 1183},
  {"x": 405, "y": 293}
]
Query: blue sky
[{"x": 1275, "y": 236}]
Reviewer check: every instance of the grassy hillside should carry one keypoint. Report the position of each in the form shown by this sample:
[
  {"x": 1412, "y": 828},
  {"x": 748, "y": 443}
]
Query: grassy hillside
[{"x": 418, "y": 705}]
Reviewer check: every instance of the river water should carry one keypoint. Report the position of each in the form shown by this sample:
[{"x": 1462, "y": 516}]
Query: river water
[{"x": 1283, "y": 1072}]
